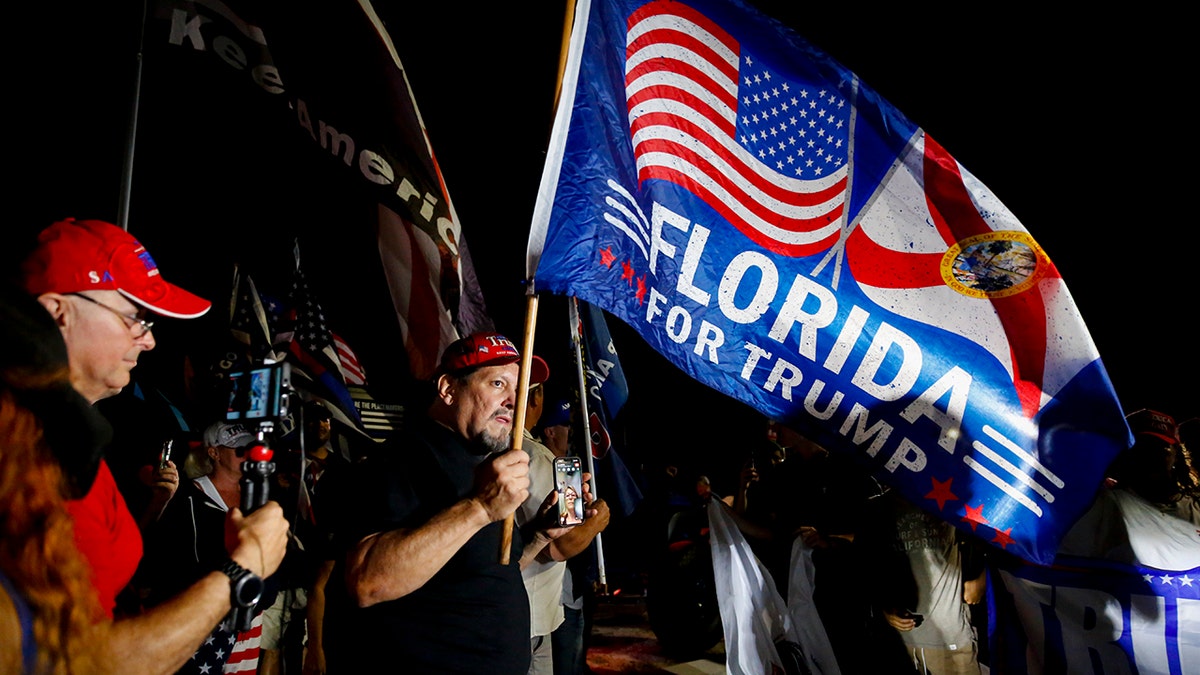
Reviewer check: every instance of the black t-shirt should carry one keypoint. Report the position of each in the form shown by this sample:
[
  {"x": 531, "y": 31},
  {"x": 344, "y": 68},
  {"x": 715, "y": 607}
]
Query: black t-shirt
[{"x": 472, "y": 616}]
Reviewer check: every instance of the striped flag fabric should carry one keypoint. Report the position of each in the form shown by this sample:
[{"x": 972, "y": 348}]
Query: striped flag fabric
[
  {"x": 225, "y": 651},
  {"x": 246, "y": 649},
  {"x": 781, "y": 233},
  {"x": 352, "y": 370},
  {"x": 768, "y": 154},
  {"x": 413, "y": 264}
]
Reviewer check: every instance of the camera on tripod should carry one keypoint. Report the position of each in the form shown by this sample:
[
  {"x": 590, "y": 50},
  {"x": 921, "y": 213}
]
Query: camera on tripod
[
  {"x": 259, "y": 394},
  {"x": 258, "y": 399}
]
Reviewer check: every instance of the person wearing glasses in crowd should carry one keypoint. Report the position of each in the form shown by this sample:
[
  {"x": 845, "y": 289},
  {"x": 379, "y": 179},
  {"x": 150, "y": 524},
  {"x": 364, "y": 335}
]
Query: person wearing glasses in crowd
[{"x": 103, "y": 289}]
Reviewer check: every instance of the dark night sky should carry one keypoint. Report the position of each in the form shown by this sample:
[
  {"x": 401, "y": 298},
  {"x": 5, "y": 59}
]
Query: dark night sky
[{"x": 1075, "y": 122}]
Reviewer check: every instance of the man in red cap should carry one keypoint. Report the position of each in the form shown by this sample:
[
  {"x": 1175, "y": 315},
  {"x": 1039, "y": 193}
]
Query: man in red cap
[
  {"x": 421, "y": 564},
  {"x": 99, "y": 284},
  {"x": 102, "y": 289}
]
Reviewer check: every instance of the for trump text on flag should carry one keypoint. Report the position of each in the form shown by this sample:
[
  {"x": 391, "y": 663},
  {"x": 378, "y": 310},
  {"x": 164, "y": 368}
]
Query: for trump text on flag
[{"x": 784, "y": 235}]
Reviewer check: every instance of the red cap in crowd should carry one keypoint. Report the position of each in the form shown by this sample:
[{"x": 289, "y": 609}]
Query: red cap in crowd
[
  {"x": 92, "y": 255},
  {"x": 479, "y": 350},
  {"x": 1154, "y": 423}
]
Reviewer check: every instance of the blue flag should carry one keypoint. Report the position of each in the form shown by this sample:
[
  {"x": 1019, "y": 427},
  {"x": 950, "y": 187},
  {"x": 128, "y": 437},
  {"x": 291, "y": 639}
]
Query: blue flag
[
  {"x": 781, "y": 233},
  {"x": 606, "y": 394},
  {"x": 605, "y": 378}
]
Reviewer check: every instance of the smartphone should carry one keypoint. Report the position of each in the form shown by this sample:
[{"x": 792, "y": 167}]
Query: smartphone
[
  {"x": 164, "y": 455},
  {"x": 568, "y": 480}
]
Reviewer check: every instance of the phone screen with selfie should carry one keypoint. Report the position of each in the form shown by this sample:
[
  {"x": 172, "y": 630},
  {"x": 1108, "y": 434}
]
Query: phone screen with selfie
[{"x": 568, "y": 481}]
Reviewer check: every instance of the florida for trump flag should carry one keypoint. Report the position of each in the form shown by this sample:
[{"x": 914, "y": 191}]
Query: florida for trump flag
[{"x": 784, "y": 235}]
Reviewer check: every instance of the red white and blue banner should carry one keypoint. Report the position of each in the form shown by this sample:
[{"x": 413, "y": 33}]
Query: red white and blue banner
[
  {"x": 1084, "y": 616},
  {"x": 1123, "y": 596},
  {"x": 784, "y": 235}
]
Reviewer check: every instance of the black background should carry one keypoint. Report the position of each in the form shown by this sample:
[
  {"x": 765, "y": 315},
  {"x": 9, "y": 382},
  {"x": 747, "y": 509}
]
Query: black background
[{"x": 1080, "y": 122}]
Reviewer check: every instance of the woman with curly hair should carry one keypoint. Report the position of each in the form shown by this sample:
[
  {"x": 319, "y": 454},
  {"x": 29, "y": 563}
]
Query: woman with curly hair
[{"x": 49, "y": 441}]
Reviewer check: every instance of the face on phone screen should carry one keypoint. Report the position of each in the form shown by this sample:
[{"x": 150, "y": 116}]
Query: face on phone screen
[{"x": 568, "y": 480}]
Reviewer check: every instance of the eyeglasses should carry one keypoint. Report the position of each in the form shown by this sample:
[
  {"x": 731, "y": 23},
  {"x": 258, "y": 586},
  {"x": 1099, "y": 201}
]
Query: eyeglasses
[{"x": 137, "y": 325}]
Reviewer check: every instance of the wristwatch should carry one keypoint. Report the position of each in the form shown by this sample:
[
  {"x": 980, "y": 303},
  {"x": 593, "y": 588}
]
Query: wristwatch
[{"x": 245, "y": 587}]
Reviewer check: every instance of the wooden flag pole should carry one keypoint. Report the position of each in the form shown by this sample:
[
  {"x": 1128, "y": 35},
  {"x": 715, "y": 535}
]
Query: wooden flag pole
[
  {"x": 518, "y": 432},
  {"x": 568, "y": 21},
  {"x": 531, "y": 314}
]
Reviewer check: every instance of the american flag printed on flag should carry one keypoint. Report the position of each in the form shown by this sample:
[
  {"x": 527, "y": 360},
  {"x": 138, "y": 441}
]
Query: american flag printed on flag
[
  {"x": 767, "y": 154},
  {"x": 783, "y": 234}
]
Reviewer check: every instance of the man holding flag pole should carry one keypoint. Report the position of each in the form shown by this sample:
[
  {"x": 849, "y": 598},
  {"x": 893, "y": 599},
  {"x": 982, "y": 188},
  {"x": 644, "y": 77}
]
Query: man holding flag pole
[{"x": 420, "y": 549}]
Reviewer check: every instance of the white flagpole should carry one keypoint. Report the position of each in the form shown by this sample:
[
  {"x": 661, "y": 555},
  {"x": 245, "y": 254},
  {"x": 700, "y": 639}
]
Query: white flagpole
[{"x": 573, "y": 318}]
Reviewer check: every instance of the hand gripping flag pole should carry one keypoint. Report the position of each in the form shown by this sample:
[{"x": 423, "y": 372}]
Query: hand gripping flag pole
[{"x": 518, "y": 436}]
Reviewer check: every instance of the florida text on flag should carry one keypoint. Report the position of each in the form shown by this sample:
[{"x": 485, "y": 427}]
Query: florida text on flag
[{"x": 783, "y": 234}]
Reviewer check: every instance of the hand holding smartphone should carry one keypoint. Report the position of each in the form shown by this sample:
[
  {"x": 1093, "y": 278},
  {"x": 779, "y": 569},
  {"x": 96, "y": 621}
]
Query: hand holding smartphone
[
  {"x": 568, "y": 481},
  {"x": 164, "y": 455}
]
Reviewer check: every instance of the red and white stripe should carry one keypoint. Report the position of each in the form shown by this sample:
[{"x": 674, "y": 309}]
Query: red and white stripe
[
  {"x": 681, "y": 84},
  {"x": 413, "y": 266},
  {"x": 352, "y": 370},
  {"x": 244, "y": 657},
  {"x": 1037, "y": 335}
]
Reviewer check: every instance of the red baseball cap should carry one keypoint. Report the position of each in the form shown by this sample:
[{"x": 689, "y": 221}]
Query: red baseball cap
[
  {"x": 92, "y": 255},
  {"x": 479, "y": 350},
  {"x": 1154, "y": 423},
  {"x": 539, "y": 372}
]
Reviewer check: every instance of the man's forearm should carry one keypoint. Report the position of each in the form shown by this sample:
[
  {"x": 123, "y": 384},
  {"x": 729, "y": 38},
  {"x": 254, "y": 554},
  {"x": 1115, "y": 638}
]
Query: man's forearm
[
  {"x": 533, "y": 550},
  {"x": 574, "y": 541},
  {"x": 390, "y": 565},
  {"x": 162, "y": 639}
]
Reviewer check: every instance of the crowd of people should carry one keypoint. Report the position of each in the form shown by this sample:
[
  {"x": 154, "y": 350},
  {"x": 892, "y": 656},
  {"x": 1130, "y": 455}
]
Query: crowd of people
[
  {"x": 399, "y": 548},
  {"x": 444, "y": 549},
  {"x": 893, "y": 576}
]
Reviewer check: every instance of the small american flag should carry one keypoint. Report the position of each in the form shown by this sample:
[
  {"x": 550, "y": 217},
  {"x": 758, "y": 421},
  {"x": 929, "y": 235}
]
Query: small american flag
[
  {"x": 313, "y": 355},
  {"x": 257, "y": 319},
  {"x": 227, "y": 652},
  {"x": 311, "y": 330},
  {"x": 769, "y": 155}
]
